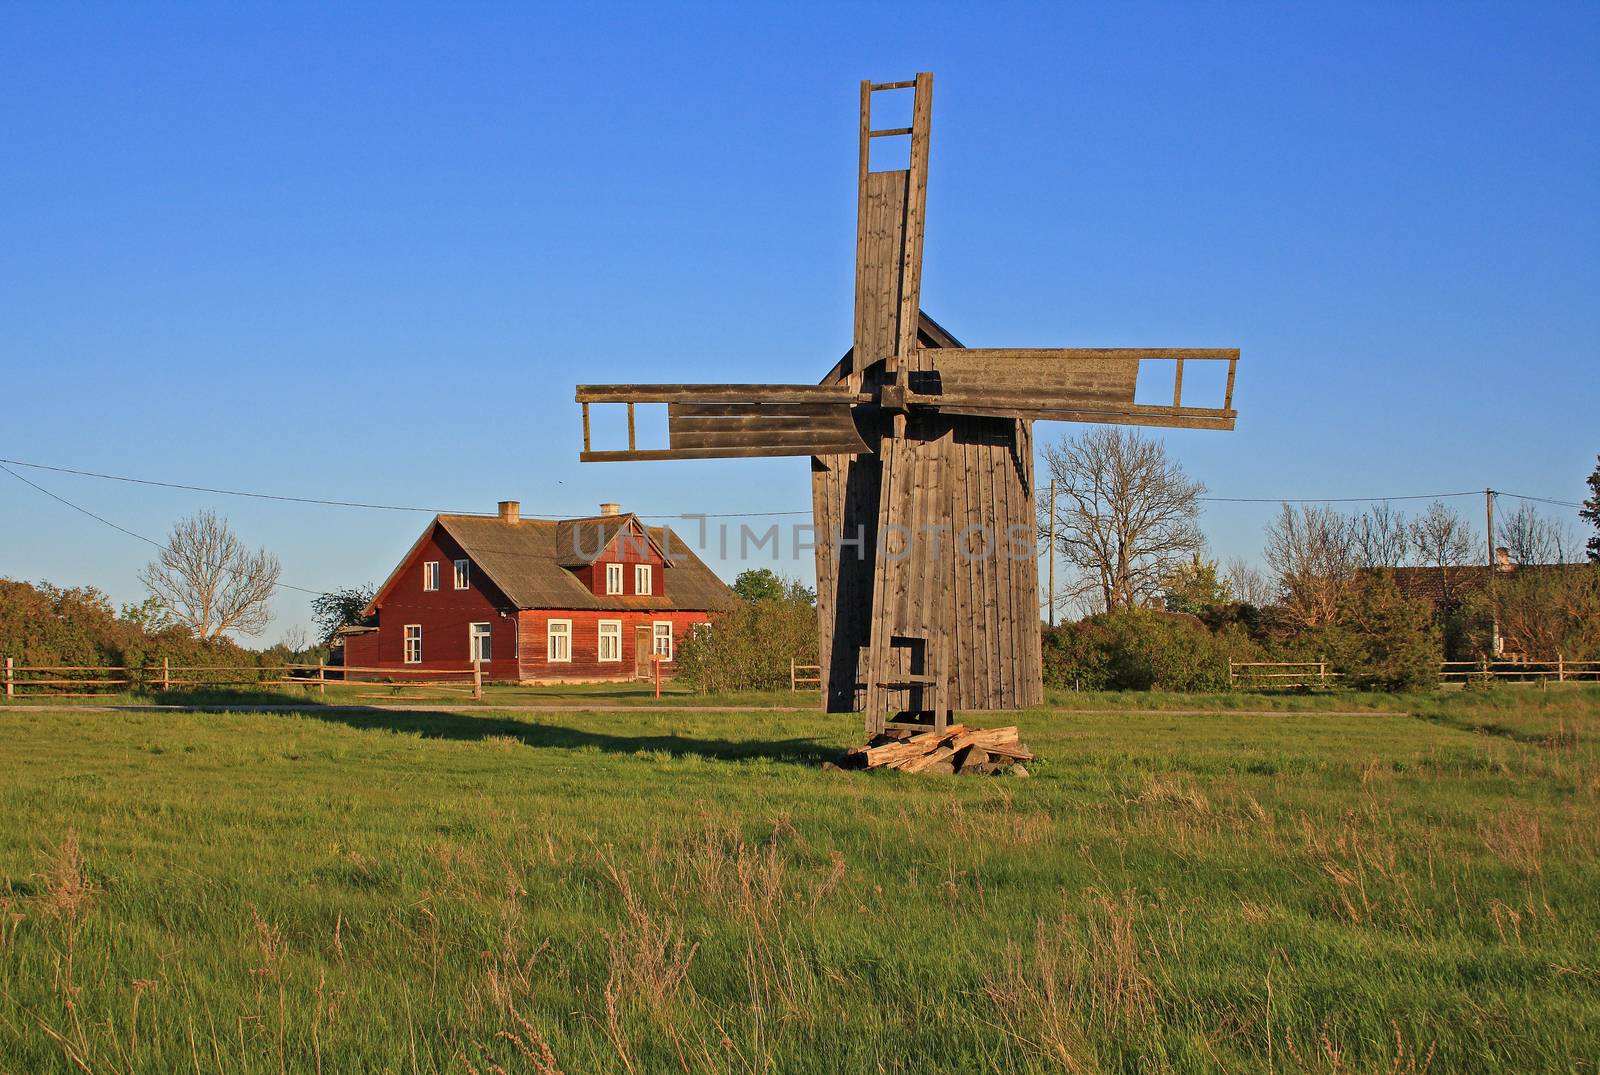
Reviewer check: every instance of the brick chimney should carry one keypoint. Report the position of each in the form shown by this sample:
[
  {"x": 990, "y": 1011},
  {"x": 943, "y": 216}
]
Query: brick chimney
[
  {"x": 510, "y": 511},
  {"x": 610, "y": 509}
]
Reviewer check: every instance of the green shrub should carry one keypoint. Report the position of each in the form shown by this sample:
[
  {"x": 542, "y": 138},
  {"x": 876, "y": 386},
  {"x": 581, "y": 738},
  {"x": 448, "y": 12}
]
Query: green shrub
[
  {"x": 1380, "y": 640},
  {"x": 1139, "y": 649},
  {"x": 749, "y": 648}
]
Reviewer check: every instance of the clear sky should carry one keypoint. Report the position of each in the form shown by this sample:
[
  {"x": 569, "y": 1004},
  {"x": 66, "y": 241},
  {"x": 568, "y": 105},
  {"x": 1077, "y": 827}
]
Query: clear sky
[{"x": 364, "y": 252}]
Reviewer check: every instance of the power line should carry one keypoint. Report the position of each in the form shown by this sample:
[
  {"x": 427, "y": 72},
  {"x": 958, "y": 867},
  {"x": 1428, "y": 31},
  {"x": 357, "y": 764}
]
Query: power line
[
  {"x": 1333, "y": 499},
  {"x": 1540, "y": 499},
  {"x": 123, "y": 529},
  {"x": 336, "y": 503}
]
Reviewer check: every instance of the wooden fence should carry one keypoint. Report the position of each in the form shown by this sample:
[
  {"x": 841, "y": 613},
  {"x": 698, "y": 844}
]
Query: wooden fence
[
  {"x": 57, "y": 681},
  {"x": 1276, "y": 674},
  {"x": 1280, "y": 674},
  {"x": 804, "y": 675}
]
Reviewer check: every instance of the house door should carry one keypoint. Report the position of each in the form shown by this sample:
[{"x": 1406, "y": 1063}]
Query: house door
[{"x": 642, "y": 645}]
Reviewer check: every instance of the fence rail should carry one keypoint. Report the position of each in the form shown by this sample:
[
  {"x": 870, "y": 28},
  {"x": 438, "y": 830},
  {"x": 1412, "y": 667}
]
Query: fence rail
[
  {"x": 1245, "y": 674},
  {"x": 42, "y": 680}
]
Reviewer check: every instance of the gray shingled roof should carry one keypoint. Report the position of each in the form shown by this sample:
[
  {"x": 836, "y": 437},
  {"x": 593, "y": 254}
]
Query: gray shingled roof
[{"x": 528, "y": 560}]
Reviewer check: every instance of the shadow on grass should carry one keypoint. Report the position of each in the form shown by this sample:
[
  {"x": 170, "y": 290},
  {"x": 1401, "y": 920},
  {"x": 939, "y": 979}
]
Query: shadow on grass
[{"x": 442, "y": 724}]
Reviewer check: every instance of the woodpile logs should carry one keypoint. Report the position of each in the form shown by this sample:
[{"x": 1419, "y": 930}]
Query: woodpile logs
[{"x": 958, "y": 749}]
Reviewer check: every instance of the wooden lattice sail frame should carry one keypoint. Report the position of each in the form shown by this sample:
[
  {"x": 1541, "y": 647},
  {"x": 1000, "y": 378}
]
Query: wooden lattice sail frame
[{"x": 922, "y": 465}]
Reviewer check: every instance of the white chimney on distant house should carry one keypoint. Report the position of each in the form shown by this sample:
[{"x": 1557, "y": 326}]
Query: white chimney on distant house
[
  {"x": 610, "y": 509},
  {"x": 510, "y": 511}
]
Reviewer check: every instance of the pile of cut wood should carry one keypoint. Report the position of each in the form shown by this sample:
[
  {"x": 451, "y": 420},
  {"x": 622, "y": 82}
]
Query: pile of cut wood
[{"x": 957, "y": 749}]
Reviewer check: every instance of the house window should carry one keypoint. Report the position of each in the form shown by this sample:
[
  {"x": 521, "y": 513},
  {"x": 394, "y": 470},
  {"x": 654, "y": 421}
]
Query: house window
[
  {"x": 611, "y": 639},
  {"x": 558, "y": 640},
  {"x": 613, "y": 578},
  {"x": 698, "y": 630},
  {"x": 481, "y": 638},
  {"x": 641, "y": 578},
  {"x": 662, "y": 642},
  {"x": 413, "y": 643},
  {"x": 463, "y": 574},
  {"x": 430, "y": 575}
]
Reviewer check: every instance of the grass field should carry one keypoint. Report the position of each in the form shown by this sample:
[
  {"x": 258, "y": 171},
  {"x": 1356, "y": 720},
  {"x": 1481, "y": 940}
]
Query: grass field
[{"x": 345, "y": 891}]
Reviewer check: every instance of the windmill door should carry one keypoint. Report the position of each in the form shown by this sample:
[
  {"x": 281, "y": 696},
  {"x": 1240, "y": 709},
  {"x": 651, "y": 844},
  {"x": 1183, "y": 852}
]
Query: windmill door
[{"x": 642, "y": 648}]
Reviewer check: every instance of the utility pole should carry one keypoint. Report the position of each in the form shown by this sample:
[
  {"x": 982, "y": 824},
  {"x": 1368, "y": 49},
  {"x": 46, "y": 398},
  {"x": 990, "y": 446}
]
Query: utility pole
[
  {"x": 1052, "y": 552},
  {"x": 1494, "y": 604},
  {"x": 1488, "y": 507}
]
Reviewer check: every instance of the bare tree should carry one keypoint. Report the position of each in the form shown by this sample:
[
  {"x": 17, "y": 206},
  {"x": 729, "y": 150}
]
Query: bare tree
[
  {"x": 1530, "y": 538},
  {"x": 1382, "y": 537},
  {"x": 1249, "y": 584},
  {"x": 210, "y": 582},
  {"x": 1311, "y": 554},
  {"x": 1443, "y": 539},
  {"x": 1125, "y": 514}
]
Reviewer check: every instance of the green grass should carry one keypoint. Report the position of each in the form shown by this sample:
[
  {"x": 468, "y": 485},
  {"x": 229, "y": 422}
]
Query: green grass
[{"x": 351, "y": 891}]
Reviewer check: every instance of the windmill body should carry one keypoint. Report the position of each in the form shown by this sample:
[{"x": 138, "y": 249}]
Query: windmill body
[{"x": 922, "y": 466}]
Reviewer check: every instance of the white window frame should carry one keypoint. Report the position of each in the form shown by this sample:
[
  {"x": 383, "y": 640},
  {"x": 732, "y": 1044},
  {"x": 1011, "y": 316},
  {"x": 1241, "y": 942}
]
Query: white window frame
[
  {"x": 613, "y": 579},
  {"x": 657, "y": 637},
  {"x": 614, "y": 627},
  {"x": 430, "y": 576},
  {"x": 407, "y": 640},
  {"x": 551, "y": 634},
  {"x": 473, "y": 637},
  {"x": 643, "y": 580},
  {"x": 463, "y": 574}
]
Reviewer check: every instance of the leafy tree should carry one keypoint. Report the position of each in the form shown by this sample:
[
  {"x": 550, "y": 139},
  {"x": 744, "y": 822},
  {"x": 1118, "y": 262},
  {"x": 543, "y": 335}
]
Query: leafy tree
[
  {"x": 341, "y": 608},
  {"x": 758, "y": 584},
  {"x": 1383, "y": 641},
  {"x": 1591, "y": 511},
  {"x": 764, "y": 584},
  {"x": 149, "y": 615},
  {"x": 1195, "y": 586}
]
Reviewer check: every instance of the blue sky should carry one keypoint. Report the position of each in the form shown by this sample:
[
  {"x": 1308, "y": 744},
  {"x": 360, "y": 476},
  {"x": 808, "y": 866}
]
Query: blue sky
[{"x": 364, "y": 252}]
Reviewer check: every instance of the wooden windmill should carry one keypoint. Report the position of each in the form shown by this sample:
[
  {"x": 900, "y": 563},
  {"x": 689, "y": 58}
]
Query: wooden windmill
[{"x": 922, "y": 466}]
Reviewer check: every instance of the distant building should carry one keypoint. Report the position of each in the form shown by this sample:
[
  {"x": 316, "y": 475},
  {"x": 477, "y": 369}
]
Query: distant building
[{"x": 539, "y": 599}]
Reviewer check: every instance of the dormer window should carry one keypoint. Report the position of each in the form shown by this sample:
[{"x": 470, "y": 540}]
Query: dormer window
[
  {"x": 613, "y": 578},
  {"x": 641, "y": 579},
  {"x": 463, "y": 574}
]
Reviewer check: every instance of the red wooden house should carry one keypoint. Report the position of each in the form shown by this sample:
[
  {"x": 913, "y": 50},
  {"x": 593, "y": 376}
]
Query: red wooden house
[{"x": 539, "y": 599}]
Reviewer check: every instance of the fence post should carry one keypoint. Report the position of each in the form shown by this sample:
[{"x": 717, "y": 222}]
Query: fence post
[
  {"x": 10, "y": 674},
  {"x": 791, "y": 675},
  {"x": 1322, "y": 671},
  {"x": 166, "y": 673},
  {"x": 477, "y": 681},
  {"x": 1561, "y": 668},
  {"x": 322, "y": 677},
  {"x": 1230, "y": 675}
]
